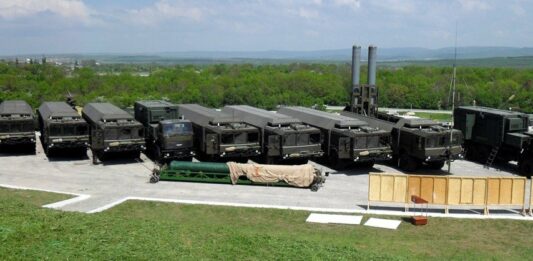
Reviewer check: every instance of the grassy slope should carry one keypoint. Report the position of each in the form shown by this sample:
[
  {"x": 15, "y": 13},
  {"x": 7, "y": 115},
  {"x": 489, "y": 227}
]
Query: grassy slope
[{"x": 149, "y": 230}]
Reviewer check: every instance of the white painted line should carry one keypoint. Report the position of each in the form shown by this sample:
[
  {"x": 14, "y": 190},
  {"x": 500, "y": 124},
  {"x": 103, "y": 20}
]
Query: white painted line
[
  {"x": 63, "y": 203},
  {"x": 334, "y": 219},
  {"x": 108, "y": 206},
  {"x": 383, "y": 223},
  {"x": 56, "y": 205}
]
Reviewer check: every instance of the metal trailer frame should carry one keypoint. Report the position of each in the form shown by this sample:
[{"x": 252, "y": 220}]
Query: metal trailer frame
[
  {"x": 275, "y": 123},
  {"x": 210, "y": 125},
  {"x": 345, "y": 128},
  {"x": 62, "y": 114}
]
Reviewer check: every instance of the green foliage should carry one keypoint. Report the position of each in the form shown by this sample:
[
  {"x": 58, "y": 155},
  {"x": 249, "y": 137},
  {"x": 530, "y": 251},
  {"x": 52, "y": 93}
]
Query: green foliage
[{"x": 265, "y": 86}]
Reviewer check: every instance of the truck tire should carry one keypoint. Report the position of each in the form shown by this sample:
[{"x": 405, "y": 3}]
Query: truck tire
[
  {"x": 408, "y": 163},
  {"x": 437, "y": 164}
]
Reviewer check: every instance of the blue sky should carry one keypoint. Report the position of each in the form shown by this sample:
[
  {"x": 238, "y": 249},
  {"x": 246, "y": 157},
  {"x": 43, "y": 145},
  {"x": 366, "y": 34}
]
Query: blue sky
[{"x": 79, "y": 26}]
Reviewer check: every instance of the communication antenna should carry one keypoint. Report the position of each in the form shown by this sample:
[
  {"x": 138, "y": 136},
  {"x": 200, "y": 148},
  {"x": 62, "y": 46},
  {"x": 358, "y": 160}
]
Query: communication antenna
[{"x": 452, "y": 89}]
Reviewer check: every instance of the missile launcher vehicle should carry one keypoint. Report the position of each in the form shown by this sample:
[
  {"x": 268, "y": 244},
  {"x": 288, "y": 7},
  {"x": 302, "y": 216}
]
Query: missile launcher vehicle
[
  {"x": 346, "y": 140},
  {"x": 112, "y": 130},
  {"x": 220, "y": 136},
  {"x": 415, "y": 141},
  {"x": 17, "y": 124},
  {"x": 283, "y": 137},
  {"x": 62, "y": 128}
]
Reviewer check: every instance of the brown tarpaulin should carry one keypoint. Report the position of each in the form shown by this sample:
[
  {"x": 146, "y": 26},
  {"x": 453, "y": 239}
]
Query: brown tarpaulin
[{"x": 297, "y": 176}]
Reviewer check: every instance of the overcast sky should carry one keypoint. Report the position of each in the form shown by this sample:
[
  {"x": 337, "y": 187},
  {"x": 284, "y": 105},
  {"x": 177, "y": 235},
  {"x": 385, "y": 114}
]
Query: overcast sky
[{"x": 74, "y": 26}]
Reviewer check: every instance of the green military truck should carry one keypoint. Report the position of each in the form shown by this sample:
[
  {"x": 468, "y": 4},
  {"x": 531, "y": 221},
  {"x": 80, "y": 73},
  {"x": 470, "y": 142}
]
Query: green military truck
[
  {"x": 283, "y": 137},
  {"x": 496, "y": 135},
  {"x": 17, "y": 125},
  {"x": 221, "y": 136},
  {"x": 112, "y": 130},
  {"x": 62, "y": 128},
  {"x": 167, "y": 136}
]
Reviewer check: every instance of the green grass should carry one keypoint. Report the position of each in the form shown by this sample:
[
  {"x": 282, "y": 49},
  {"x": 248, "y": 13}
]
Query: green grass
[
  {"x": 150, "y": 230},
  {"x": 435, "y": 116}
]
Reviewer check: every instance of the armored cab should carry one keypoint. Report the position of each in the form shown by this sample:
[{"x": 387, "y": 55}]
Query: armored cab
[
  {"x": 496, "y": 135},
  {"x": 167, "y": 136},
  {"x": 17, "y": 124},
  {"x": 346, "y": 139},
  {"x": 414, "y": 141},
  {"x": 112, "y": 130},
  {"x": 219, "y": 135},
  {"x": 283, "y": 137},
  {"x": 62, "y": 128}
]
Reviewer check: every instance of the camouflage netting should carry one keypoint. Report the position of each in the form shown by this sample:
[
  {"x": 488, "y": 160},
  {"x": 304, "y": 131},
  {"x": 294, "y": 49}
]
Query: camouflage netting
[{"x": 298, "y": 175}]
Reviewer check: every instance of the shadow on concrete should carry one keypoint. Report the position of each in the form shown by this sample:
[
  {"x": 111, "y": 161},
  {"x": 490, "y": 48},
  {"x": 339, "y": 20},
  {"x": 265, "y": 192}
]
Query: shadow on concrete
[
  {"x": 17, "y": 150},
  {"x": 67, "y": 155}
]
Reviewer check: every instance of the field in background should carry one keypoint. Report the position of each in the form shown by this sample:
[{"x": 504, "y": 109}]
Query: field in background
[{"x": 149, "y": 230}]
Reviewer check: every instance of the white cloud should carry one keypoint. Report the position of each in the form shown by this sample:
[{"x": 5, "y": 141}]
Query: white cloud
[
  {"x": 354, "y": 4},
  {"x": 163, "y": 10},
  {"x": 398, "y": 6},
  {"x": 12, "y": 9},
  {"x": 308, "y": 13},
  {"x": 472, "y": 5}
]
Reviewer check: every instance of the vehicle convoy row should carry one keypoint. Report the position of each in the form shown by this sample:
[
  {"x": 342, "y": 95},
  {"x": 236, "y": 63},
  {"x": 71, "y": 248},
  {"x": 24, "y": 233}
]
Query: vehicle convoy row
[{"x": 360, "y": 134}]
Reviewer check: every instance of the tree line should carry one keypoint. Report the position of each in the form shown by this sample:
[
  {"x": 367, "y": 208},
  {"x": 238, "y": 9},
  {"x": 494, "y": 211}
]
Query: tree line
[{"x": 266, "y": 86}]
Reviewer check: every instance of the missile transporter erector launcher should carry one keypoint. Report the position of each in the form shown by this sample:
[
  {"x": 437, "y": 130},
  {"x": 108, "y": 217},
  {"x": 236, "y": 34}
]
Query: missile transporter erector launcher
[
  {"x": 17, "y": 124},
  {"x": 112, "y": 130},
  {"x": 219, "y": 136},
  {"x": 346, "y": 140},
  {"x": 496, "y": 135},
  {"x": 62, "y": 128},
  {"x": 167, "y": 136},
  {"x": 414, "y": 141},
  {"x": 283, "y": 137}
]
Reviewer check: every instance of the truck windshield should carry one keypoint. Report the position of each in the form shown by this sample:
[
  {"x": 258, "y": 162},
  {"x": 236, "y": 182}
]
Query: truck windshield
[
  {"x": 176, "y": 128},
  {"x": 68, "y": 130}
]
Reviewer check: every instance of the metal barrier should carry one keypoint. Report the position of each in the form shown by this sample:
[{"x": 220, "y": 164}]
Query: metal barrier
[
  {"x": 387, "y": 188},
  {"x": 449, "y": 191},
  {"x": 506, "y": 192}
]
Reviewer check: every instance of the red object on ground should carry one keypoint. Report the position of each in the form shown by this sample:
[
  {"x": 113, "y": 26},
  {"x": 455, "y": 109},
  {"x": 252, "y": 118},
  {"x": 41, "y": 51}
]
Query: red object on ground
[{"x": 419, "y": 220}]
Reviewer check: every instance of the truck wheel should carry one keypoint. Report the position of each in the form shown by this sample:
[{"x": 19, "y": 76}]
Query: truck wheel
[
  {"x": 408, "y": 163},
  {"x": 526, "y": 168},
  {"x": 436, "y": 165}
]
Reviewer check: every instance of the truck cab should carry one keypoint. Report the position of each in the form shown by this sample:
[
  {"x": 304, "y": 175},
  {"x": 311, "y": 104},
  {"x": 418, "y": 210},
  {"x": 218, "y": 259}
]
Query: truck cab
[{"x": 168, "y": 137}]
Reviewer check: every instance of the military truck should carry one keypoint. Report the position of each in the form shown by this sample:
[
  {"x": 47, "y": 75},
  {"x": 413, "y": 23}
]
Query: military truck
[
  {"x": 167, "y": 136},
  {"x": 530, "y": 122},
  {"x": 283, "y": 138},
  {"x": 496, "y": 135},
  {"x": 112, "y": 130},
  {"x": 220, "y": 136},
  {"x": 346, "y": 140},
  {"x": 62, "y": 128},
  {"x": 17, "y": 124},
  {"x": 415, "y": 141}
]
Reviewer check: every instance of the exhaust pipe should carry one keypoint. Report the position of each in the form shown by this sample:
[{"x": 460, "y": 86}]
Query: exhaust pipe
[{"x": 372, "y": 65}]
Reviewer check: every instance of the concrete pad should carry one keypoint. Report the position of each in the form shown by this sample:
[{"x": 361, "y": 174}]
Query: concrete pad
[
  {"x": 383, "y": 223},
  {"x": 334, "y": 219}
]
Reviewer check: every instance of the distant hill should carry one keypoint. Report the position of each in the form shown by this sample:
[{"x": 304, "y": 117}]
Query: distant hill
[
  {"x": 384, "y": 54},
  {"x": 467, "y": 56}
]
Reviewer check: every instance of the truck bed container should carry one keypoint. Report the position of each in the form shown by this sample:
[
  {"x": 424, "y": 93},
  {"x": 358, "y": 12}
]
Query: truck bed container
[
  {"x": 112, "y": 130},
  {"x": 220, "y": 136},
  {"x": 346, "y": 139},
  {"x": 283, "y": 137},
  {"x": 62, "y": 127},
  {"x": 17, "y": 124}
]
